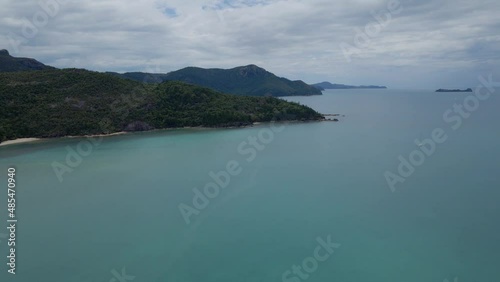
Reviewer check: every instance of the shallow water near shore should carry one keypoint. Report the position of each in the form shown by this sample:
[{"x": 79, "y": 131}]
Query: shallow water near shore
[{"x": 117, "y": 211}]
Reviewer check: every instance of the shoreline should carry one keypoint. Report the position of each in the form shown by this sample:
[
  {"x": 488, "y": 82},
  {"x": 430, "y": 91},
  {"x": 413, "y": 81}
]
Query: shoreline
[
  {"x": 19, "y": 141},
  {"x": 90, "y": 136},
  {"x": 31, "y": 140}
]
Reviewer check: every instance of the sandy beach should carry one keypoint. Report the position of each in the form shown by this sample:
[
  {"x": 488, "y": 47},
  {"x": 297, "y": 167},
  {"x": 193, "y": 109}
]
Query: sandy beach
[
  {"x": 19, "y": 141},
  {"x": 27, "y": 140}
]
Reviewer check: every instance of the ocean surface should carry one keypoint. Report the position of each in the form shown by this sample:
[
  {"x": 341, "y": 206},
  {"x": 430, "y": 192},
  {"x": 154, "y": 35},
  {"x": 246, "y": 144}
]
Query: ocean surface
[{"x": 114, "y": 212}]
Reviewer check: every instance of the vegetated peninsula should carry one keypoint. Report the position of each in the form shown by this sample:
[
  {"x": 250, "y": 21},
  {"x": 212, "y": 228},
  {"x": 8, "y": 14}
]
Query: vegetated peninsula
[
  {"x": 327, "y": 85},
  {"x": 74, "y": 102},
  {"x": 248, "y": 80},
  {"x": 454, "y": 90}
]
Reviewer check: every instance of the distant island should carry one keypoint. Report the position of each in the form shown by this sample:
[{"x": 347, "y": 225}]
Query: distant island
[
  {"x": 327, "y": 85},
  {"x": 44, "y": 102},
  {"x": 454, "y": 90}
]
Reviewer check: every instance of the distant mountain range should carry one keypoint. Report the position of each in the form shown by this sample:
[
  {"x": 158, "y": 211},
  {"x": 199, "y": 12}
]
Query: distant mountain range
[
  {"x": 327, "y": 85},
  {"x": 248, "y": 80},
  {"x": 454, "y": 90},
  {"x": 11, "y": 64}
]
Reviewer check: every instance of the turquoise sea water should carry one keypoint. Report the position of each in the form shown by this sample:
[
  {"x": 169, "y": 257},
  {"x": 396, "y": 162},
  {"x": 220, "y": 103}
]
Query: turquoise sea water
[{"x": 119, "y": 209}]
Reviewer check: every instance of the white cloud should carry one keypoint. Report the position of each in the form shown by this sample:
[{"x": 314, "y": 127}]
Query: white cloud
[{"x": 294, "y": 38}]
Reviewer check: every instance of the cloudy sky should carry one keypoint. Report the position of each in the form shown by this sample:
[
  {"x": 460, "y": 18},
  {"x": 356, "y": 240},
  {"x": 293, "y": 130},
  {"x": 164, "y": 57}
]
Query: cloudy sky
[{"x": 413, "y": 44}]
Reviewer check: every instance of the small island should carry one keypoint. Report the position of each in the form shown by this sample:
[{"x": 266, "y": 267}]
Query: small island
[{"x": 454, "y": 90}]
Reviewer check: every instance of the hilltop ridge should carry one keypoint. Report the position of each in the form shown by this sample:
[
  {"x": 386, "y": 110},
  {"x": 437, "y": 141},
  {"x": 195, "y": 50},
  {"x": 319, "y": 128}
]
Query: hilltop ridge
[
  {"x": 250, "y": 80},
  {"x": 9, "y": 63}
]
